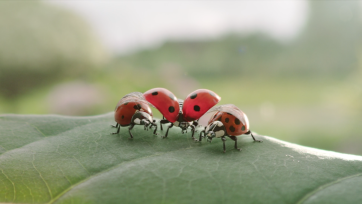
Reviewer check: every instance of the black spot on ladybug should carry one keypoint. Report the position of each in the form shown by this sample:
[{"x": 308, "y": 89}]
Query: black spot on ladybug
[
  {"x": 172, "y": 97},
  {"x": 212, "y": 94},
  {"x": 243, "y": 128},
  {"x": 232, "y": 129},
  {"x": 197, "y": 108},
  {"x": 226, "y": 120},
  {"x": 193, "y": 96},
  {"x": 171, "y": 109},
  {"x": 237, "y": 121},
  {"x": 219, "y": 119},
  {"x": 154, "y": 93},
  {"x": 122, "y": 116}
]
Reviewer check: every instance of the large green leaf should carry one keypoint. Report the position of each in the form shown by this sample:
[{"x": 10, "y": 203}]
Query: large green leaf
[{"x": 56, "y": 159}]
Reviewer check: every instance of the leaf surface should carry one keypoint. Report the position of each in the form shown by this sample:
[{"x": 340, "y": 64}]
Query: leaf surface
[{"x": 57, "y": 159}]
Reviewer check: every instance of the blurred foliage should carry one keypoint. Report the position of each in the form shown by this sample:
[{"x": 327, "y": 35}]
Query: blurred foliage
[
  {"x": 330, "y": 43},
  {"x": 230, "y": 55},
  {"x": 328, "y": 46},
  {"x": 41, "y": 43}
]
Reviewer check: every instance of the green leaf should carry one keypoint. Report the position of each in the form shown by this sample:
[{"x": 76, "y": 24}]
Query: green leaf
[{"x": 57, "y": 159}]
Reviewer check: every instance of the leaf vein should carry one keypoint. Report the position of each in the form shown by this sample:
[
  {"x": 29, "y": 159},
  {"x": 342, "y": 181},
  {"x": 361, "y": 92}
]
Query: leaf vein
[
  {"x": 82, "y": 165},
  {"x": 41, "y": 176},
  {"x": 2, "y": 171},
  {"x": 36, "y": 128}
]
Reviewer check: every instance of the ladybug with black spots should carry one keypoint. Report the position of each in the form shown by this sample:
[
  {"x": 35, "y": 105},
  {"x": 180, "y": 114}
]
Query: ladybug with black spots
[
  {"x": 133, "y": 110},
  {"x": 228, "y": 120},
  {"x": 181, "y": 113}
]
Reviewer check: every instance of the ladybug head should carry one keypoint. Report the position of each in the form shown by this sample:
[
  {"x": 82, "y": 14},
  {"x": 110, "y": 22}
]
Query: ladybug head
[
  {"x": 215, "y": 129},
  {"x": 182, "y": 123},
  {"x": 210, "y": 135},
  {"x": 144, "y": 122},
  {"x": 142, "y": 118}
]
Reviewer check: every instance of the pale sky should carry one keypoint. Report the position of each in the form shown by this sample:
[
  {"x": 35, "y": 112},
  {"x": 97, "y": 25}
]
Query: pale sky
[{"x": 125, "y": 26}]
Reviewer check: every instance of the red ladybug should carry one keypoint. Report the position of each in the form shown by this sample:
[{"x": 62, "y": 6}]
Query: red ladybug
[
  {"x": 181, "y": 113},
  {"x": 133, "y": 110},
  {"x": 228, "y": 120}
]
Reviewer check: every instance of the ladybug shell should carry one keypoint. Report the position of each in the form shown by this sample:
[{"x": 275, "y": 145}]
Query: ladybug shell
[
  {"x": 198, "y": 103},
  {"x": 124, "y": 112},
  {"x": 165, "y": 101},
  {"x": 233, "y": 125}
]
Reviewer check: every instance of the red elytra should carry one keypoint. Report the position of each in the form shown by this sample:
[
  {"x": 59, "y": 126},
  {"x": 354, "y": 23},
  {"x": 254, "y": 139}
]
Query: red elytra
[
  {"x": 124, "y": 111},
  {"x": 165, "y": 101},
  {"x": 235, "y": 121},
  {"x": 198, "y": 103},
  {"x": 195, "y": 105}
]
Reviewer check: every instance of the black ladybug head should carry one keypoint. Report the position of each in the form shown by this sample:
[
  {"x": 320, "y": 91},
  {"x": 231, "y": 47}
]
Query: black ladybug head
[{"x": 137, "y": 107}]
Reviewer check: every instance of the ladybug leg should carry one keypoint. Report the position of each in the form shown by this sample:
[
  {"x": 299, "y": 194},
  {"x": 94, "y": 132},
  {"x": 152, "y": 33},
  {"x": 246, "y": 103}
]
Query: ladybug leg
[
  {"x": 115, "y": 126},
  {"x": 167, "y": 130},
  {"x": 147, "y": 125},
  {"x": 201, "y": 135},
  {"x": 193, "y": 131},
  {"x": 163, "y": 121},
  {"x": 183, "y": 131},
  {"x": 153, "y": 124},
  {"x": 119, "y": 127},
  {"x": 236, "y": 142},
  {"x": 255, "y": 140},
  {"x": 236, "y": 145},
  {"x": 129, "y": 130},
  {"x": 163, "y": 118},
  {"x": 195, "y": 123},
  {"x": 223, "y": 140}
]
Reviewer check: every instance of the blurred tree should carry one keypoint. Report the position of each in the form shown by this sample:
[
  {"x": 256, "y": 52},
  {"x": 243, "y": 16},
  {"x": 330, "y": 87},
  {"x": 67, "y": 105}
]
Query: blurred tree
[
  {"x": 233, "y": 54},
  {"x": 326, "y": 47},
  {"x": 41, "y": 43},
  {"x": 329, "y": 43}
]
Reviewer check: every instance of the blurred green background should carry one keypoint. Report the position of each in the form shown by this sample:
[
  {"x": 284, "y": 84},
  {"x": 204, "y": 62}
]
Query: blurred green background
[{"x": 307, "y": 90}]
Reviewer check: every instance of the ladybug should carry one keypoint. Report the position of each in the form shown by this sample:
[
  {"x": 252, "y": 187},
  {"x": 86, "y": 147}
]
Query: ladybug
[
  {"x": 133, "y": 110},
  {"x": 180, "y": 113},
  {"x": 228, "y": 120}
]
